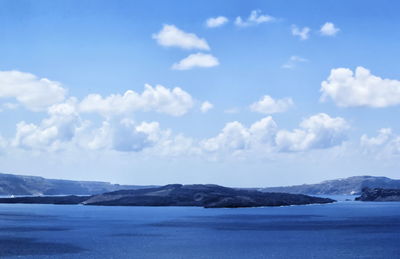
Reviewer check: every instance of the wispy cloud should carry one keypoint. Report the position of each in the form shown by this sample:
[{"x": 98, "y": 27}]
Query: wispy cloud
[
  {"x": 214, "y": 22},
  {"x": 293, "y": 61},
  {"x": 206, "y": 106},
  {"x": 196, "y": 60},
  {"x": 255, "y": 17},
  {"x": 302, "y": 33}
]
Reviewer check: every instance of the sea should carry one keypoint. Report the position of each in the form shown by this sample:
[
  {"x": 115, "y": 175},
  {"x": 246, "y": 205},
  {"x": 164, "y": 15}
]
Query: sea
[{"x": 345, "y": 229}]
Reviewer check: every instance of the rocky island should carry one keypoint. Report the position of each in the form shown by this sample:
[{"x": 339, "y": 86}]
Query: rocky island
[
  {"x": 379, "y": 194},
  {"x": 207, "y": 196}
]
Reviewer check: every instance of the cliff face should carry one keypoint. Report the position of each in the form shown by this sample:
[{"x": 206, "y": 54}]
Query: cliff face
[
  {"x": 379, "y": 194},
  {"x": 209, "y": 196},
  {"x": 346, "y": 186},
  {"x": 33, "y": 185}
]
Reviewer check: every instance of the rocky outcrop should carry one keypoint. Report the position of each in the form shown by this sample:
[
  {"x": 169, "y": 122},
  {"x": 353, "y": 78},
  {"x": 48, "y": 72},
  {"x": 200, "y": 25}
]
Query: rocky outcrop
[
  {"x": 208, "y": 196},
  {"x": 379, "y": 194}
]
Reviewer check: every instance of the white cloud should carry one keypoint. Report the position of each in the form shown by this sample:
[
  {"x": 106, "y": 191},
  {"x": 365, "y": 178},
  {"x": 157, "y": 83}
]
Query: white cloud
[
  {"x": 171, "y": 36},
  {"x": 175, "y": 102},
  {"x": 127, "y": 138},
  {"x": 316, "y": 132},
  {"x": 165, "y": 143},
  {"x": 206, "y": 106},
  {"x": 123, "y": 136},
  {"x": 302, "y": 33},
  {"x": 254, "y": 18},
  {"x": 386, "y": 143},
  {"x": 329, "y": 29},
  {"x": 384, "y": 135},
  {"x": 147, "y": 137},
  {"x": 53, "y": 132},
  {"x": 293, "y": 61},
  {"x": 196, "y": 60},
  {"x": 361, "y": 88},
  {"x": 34, "y": 93},
  {"x": 268, "y": 105},
  {"x": 216, "y": 21},
  {"x": 236, "y": 137}
]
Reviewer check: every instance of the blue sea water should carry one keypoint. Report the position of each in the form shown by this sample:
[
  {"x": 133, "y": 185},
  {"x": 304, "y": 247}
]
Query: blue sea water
[{"x": 345, "y": 229}]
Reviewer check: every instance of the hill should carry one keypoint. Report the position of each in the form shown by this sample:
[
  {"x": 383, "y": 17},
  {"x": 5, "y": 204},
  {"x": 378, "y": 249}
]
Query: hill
[
  {"x": 345, "y": 186},
  {"x": 11, "y": 184}
]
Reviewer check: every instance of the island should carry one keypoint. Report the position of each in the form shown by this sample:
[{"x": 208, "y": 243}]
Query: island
[
  {"x": 199, "y": 195},
  {"x": 379, "y": 194},
  {"x": 12, "y": 184},
  {"x": 344, "y": 186}
]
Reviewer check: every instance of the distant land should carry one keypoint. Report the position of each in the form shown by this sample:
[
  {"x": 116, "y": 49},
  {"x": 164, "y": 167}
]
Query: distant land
[
  {"x": 199, "y": 195},
  {"x": 11, "y": 184},
  {"x": 346, "y": 186}
]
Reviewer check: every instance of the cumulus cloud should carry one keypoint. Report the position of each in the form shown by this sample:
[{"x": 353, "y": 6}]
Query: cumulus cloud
[
  {"x": 59, "y": 128},
  {"x": 214, "y": 22},
  {"x": 319, "y": 131},
  {"x": 127, "y": 138},
  {"x": 165, "y": 143},
  {"x": 361, "y": 88},
  {"x": 254, "y": 18},
  {"x": 145, "y": 137},
  {"x": 206, "y": 106},
  {"x": 293, "y": 61},
  {"x": 236, "y": 137},
  {"x": 171, "y": 36},
  {"x": 302, "y": 33},
  {"x": 268, "y": 105},
  {"x": 233, "y": 136},
  {"x": 34, "y": 93},
  {"x": 386, "y": 142},
  {"x": 122, "y": 135},
  {"x": 329, "y": 29},
  {"x": 175, "y": 102},
  {"x": 196, "y": 60},
  {"x": 316, "y": 132}
]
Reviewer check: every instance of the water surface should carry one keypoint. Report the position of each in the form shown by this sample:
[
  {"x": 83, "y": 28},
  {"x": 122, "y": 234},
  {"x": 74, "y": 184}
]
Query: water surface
[{"x": 339, "y": 230}]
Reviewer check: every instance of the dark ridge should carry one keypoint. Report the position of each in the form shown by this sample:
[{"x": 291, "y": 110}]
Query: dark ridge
[
  {"x": 208, "y": 196},
  {"x": 379, "y": 194}
]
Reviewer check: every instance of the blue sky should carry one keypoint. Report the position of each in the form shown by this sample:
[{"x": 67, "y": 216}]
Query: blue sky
[{"x": 66, "y": 65}]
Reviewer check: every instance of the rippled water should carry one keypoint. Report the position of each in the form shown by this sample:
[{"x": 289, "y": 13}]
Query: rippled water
[{"x": 340, "y": 230}]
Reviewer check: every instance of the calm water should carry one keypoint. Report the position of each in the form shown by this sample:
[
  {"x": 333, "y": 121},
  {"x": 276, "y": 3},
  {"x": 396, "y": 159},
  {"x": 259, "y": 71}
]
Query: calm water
[{"x": 340, "y": 230}]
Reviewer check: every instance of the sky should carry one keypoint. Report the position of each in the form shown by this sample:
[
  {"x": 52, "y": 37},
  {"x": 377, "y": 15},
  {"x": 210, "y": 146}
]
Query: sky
[{"x": 237, "y": 93}]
